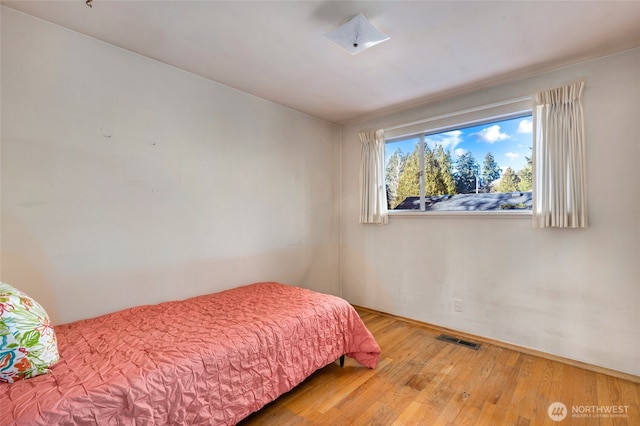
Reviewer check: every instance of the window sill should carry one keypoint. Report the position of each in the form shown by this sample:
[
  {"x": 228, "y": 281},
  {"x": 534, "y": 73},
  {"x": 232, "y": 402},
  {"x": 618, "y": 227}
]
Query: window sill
[{"x": 505, "y": 214}]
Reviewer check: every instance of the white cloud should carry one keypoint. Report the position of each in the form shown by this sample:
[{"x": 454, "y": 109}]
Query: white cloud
[
  {"x": 448, "y": 140},
  {"x": 460, "y": 152},
  {"x": 512, "y": 155},
  {"x": 525, "y": 126},
  {"x": 492, "y": 134}
]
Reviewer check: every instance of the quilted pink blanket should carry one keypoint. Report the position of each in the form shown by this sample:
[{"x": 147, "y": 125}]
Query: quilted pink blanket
[{"x": 210, "y": 360}]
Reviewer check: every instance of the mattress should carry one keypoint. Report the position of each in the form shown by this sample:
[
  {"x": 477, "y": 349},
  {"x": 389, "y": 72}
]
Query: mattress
[{"x": 211, "y": 359}]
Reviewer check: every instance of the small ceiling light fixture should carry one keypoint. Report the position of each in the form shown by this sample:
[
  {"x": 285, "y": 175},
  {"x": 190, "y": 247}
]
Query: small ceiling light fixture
[{"x": 357, "y": 34}]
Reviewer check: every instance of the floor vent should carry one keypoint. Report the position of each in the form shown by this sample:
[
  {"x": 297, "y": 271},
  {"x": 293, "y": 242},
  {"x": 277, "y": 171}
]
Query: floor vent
[{"x": 457, "y": 341}]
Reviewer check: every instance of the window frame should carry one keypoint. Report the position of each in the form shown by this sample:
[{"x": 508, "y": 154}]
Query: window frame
[{"x": 477, "y": 116}]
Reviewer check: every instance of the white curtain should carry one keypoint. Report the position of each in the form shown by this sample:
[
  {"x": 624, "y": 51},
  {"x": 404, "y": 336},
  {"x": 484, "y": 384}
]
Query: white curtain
[
  {"x": 373, "y": 193},
  {"x": 559, "y": 186}
]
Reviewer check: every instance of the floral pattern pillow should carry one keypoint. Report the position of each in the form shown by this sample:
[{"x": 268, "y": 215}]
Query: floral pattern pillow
[{"x": 28, "y": 344}]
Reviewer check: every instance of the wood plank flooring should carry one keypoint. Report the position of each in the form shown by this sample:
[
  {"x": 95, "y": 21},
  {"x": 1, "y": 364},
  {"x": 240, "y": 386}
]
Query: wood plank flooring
[{"x": 423, "y": 381}]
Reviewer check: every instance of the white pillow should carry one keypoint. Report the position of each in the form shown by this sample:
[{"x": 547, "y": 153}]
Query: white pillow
[{"x": 28, "y": 344}]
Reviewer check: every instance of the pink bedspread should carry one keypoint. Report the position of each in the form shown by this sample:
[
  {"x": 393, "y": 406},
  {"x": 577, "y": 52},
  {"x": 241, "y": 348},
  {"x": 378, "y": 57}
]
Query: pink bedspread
[{"x": 210, "y": 360}]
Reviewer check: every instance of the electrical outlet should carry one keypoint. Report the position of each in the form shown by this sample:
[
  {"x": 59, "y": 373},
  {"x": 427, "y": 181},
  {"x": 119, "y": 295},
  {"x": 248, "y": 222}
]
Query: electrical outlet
[{"x": 457, "y": 305}]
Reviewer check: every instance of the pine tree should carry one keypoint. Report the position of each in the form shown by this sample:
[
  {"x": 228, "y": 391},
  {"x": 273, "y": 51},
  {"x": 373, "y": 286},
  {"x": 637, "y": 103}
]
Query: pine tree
[
  {"x": 509, "y": 181},
  {"x": 392, "y": 176},
  {"x": 526, "y": 176},
  {"x": 490, "y": 170},
  {"x": 466, "y": 172},
  {"x": 409, "y": 182},
  {"x": 431, "y": 173},
  {"x": 444, "y": 161},
  {"x": 438, "y": 179}
]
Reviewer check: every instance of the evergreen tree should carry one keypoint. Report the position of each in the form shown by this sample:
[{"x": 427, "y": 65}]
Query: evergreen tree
[
  {"x": 466, "y": 171},
  {"x": 490, "y": 170},
  {"x": 444, "y": 160},
  {"x": 438, "y": 179},
  {"x": 431, "y": 173},
  {"x": 392, "y": 176},
  {"x": 526, "y": 176},
  {"x": 509, "y": 181},
  {"x": 409, "y": 182}
]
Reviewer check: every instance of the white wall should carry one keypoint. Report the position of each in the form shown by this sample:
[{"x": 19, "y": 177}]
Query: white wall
[
  {"x": 574, "y": 293},
  {"x": 126, "y": 181}
]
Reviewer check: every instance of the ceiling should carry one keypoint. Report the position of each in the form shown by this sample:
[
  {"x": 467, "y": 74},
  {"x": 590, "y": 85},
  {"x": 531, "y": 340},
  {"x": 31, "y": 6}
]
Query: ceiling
[{"x": 276, "y": 49}]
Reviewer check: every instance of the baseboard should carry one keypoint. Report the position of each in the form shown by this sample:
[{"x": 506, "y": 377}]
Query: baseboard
[{"x": 505, "y": 345}]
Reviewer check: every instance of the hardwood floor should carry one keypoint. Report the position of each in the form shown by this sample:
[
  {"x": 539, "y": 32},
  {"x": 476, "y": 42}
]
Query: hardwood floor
[{"x": 423, "y": 381}]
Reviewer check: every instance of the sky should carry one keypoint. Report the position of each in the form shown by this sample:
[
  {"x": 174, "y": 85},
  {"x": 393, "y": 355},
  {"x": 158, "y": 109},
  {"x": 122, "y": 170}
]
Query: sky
[{"x": 509, "y": 141}]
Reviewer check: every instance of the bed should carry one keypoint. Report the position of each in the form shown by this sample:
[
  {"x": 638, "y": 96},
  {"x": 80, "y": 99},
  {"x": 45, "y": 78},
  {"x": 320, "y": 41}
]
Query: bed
[{"x": 211, "y": 359}]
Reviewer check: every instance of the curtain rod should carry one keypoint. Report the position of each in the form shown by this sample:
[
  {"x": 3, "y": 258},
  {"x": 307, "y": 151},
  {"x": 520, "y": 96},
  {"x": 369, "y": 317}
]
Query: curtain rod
[{"x": 464, "y": 111}]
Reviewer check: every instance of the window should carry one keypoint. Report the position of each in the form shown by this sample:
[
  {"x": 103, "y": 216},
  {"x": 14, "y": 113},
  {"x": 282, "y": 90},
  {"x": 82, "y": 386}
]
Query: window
[{"x": 480, "y": 166}]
